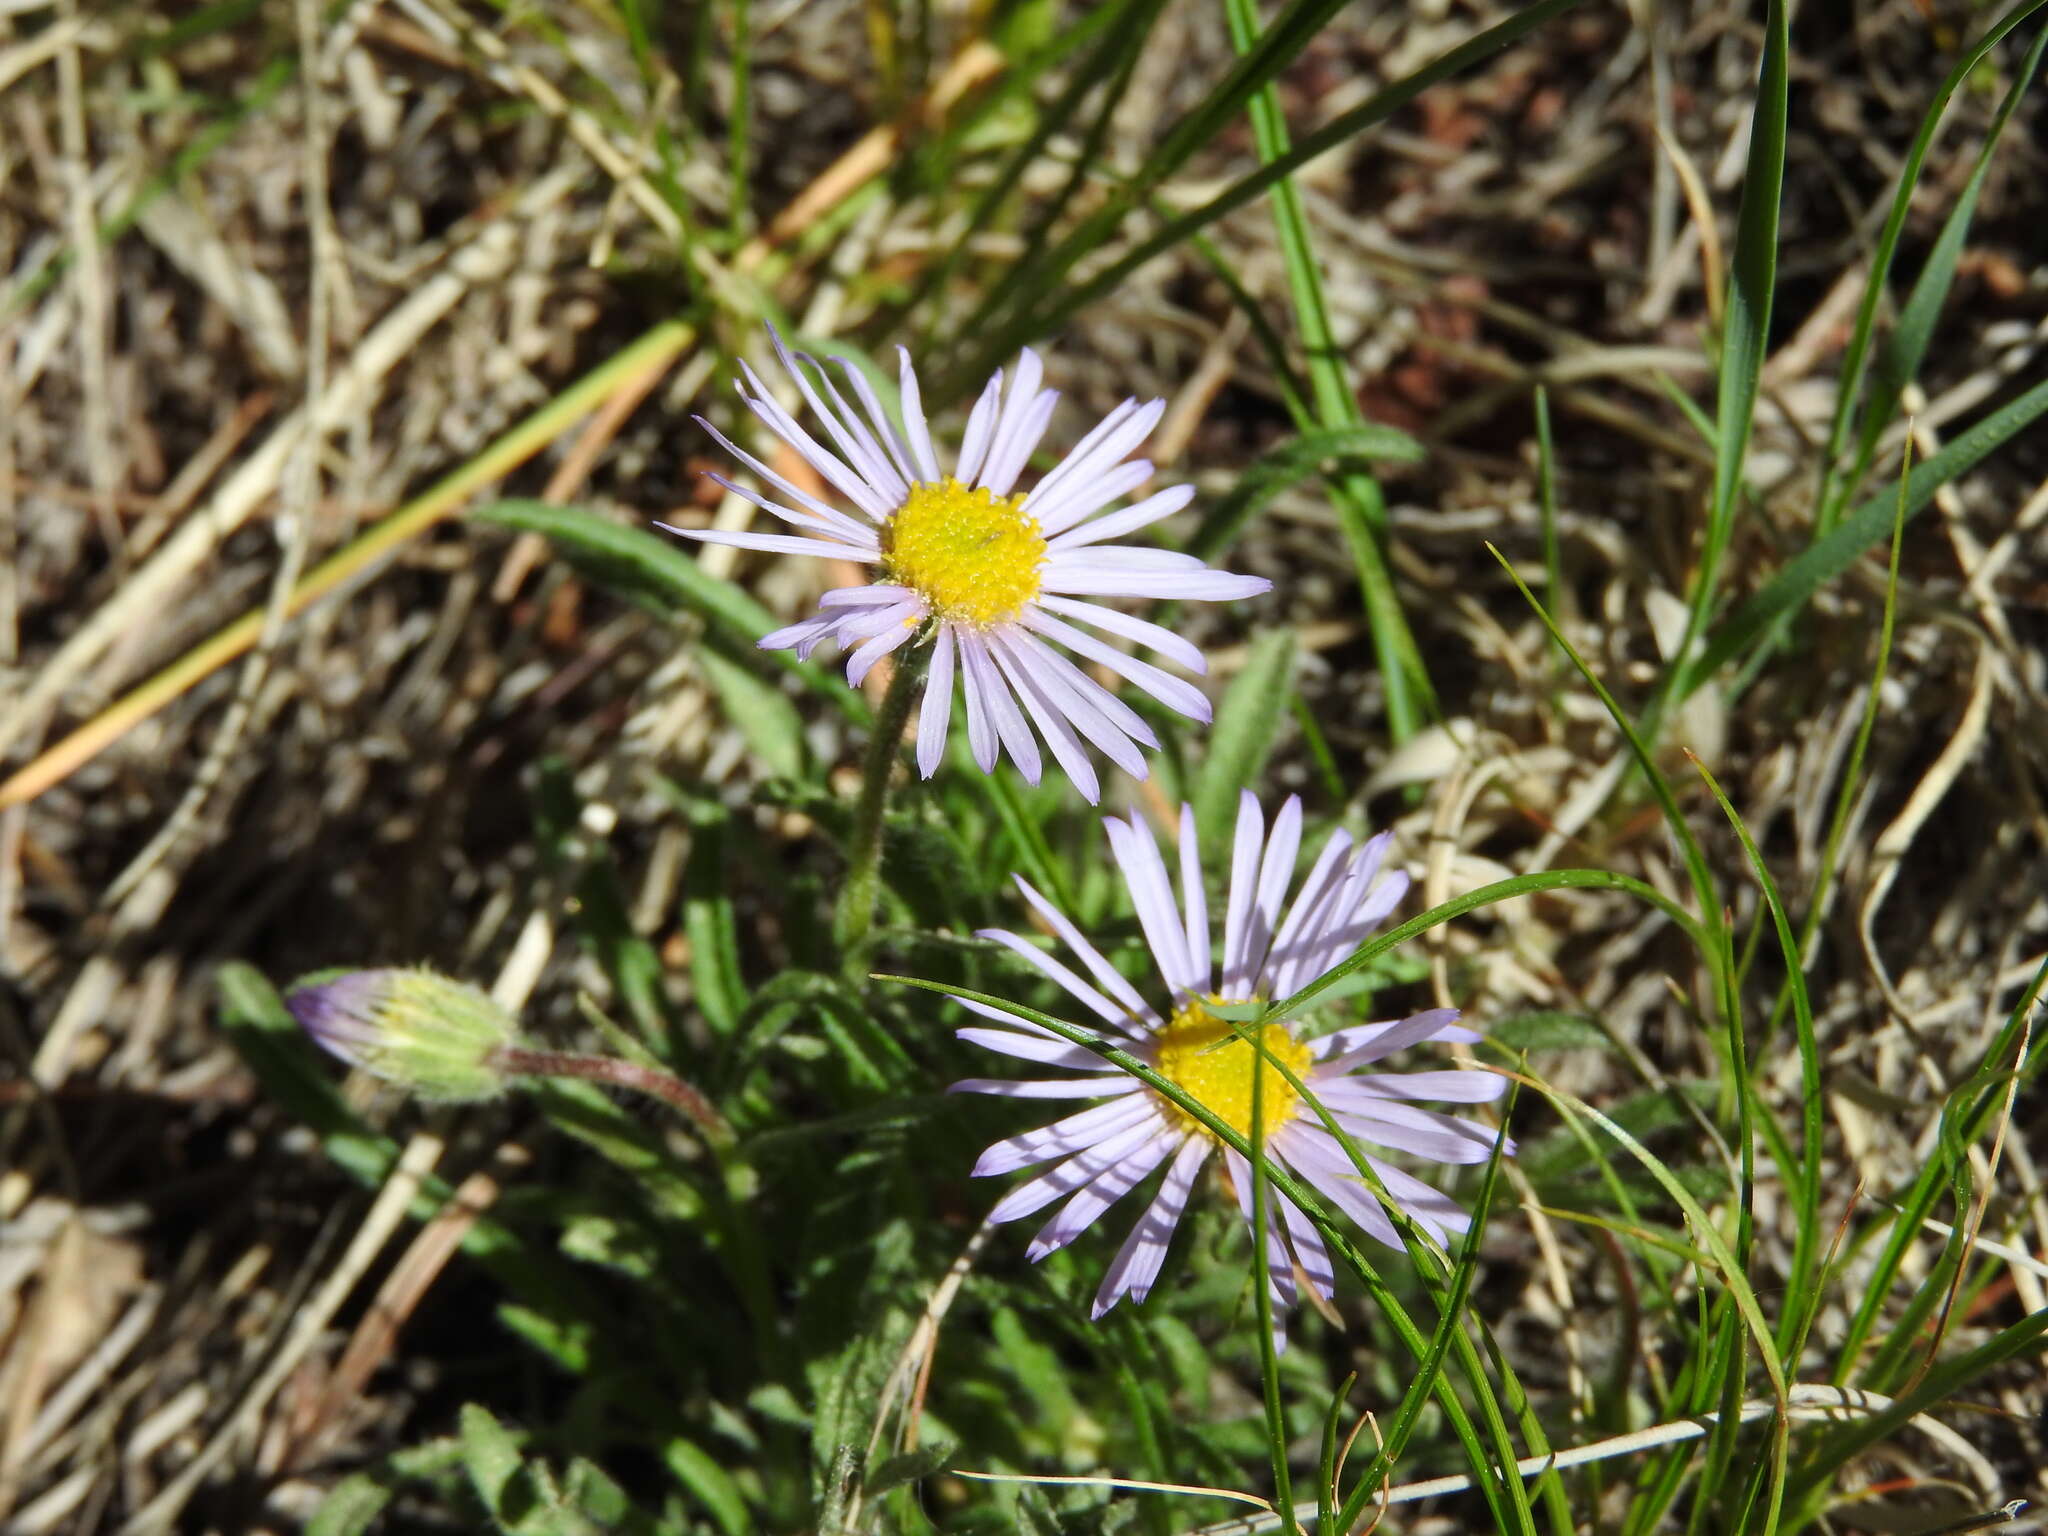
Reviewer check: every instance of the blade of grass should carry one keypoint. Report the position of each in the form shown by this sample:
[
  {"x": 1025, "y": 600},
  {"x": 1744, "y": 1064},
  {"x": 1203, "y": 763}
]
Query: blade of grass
[
  {"x": 1834, "y": 487},
  {"x": 1898, "y": 360},
  {"x": 1361, "y": 503},
  {"x": 1826, "y": 558},
  {"x": 1262, "y": 1301},
  {"x": 1983, "y": 1094},
  {"x": 1805, "y": 1176},
  {"x": 1745, "y": 339},
  {"x": 1051, "y": 302}
]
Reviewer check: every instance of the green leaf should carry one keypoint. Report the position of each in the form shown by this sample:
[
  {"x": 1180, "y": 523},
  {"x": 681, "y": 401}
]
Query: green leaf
[
  {"x": 773, "y": 729},
  {"x": 566, "y": 1342},
  {"x": 908, "y": 1467},
  {"x": 1065, "y": 298},
  {"x": 708, "y": 1481},
  {"x": 1898, "y": 360},
  {"x": 1823, "y": 560},
  {"x": 490, "y": 1454},
  {"x": 1853, "y": 370},
  {"x": 1286, "y": 466},
  {"x": 1247, "y": 724},
  {"x": 1745, "y": 337},
  {"x": 715, "y": 975},
  {"x": 350, "y": 1508},
  {"x": 654, "y": 569},
  {"x": 1235, "y": 1013},
  {"x": 1546, "y": 1030},
  {"x": 593, "y": 1494}
]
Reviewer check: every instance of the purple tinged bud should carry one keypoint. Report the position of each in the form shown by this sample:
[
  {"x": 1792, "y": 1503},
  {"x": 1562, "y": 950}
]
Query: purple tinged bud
[{"x": 429, "y": 1034}]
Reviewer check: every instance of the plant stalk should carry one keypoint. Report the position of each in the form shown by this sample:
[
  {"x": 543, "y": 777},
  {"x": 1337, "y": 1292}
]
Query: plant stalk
[
  {"x": 524, "y": 1061},
  {"x": 855, "y": 914}
]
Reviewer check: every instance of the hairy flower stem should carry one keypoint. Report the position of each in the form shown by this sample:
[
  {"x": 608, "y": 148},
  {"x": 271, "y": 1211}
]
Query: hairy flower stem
[
  {"x": 522, "y": 1061},
  {"x": 855, "y": 914}
]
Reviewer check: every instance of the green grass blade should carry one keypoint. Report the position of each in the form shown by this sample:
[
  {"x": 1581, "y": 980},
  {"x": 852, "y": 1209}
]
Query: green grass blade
[
  {"x": 1361, "y": 503},
  {"x": 1287, "y": 465},
  {"x": 1060, "y": 300},
  {"x": 1805, "y": 1177},
  {"x": 1827, "y": 558},
  {"x": 1833, "y": 487},
  {"x": 1695, "y": 860},
  {"x": 1247, "y": 725},
  {"x": 1898, "y": 360},
  {"x": 655, "y": 569},
  {"x": 1745, "y": 339}
]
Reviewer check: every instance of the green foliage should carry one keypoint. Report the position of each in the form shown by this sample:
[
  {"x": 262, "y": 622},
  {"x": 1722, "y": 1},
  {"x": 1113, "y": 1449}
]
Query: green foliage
[{"x": 1242, "y": 738}]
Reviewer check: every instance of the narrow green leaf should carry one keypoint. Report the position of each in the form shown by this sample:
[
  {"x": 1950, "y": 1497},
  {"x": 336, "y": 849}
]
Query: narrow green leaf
[
  {"x": 1066, "y": 299},
  {"x": 490, "y": 1455},
  {"x": 1283, "y": 467},
  {"x": 351, "y": 1508},
  {"x": 1826, "y": 558},
  {"x": 1834, "y": 489},
  {"x": 1247, "y": 725},
  {"x": 1898, "y": 360},
  {"x": 1549, "y": 1031},
  {"x": 708, "y": 1481},
  {"x": 908, "y": 1467},
  {"x": 1745, "y": 338},
  {"x": 715, "y": 977},
  {"x": 654, "y": 569},
  {"x": 764, "y": 715}
]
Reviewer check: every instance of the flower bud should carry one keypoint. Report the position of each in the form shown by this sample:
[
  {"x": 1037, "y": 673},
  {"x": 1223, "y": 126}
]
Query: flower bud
[{"x": 431, "y": 1035}]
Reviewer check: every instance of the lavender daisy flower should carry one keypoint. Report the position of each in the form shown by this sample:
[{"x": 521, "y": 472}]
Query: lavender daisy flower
[
  {"x": 1102, "y": 1153},
  {"x": 995, "y": 576}
]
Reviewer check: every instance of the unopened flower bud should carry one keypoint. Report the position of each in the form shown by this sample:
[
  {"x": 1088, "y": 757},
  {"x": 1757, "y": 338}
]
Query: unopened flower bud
[{"x": 431, "y": 1035}]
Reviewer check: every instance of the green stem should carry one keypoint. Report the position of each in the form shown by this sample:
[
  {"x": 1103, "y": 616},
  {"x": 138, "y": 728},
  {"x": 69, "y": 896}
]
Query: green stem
[{"x": 855, "y": 914}]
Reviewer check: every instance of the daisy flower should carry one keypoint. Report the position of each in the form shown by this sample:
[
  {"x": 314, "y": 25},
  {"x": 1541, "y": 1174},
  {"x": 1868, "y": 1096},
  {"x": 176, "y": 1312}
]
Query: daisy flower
[
  {"x": 1094, "y": 1158},
  {"x": 995, "y": 577}
]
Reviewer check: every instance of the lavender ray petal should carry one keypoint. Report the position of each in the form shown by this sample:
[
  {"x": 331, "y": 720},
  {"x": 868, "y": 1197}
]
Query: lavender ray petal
[
  {"x": 1137, "y": 855},
  {"x": 1143, "y": 631},
  {"x": 1107, "y": 976},
  {"x": 1163, "y": 686},
  {"x": 1108, "y": 1187},
  {"x": 1137, "y": 1264},
  {"x": 1066, "y": 1136},
  {"x": 935, "y": 718}
]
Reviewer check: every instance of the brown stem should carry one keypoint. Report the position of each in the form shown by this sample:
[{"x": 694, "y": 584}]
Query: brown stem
[{"x": 522, "y": 1061}]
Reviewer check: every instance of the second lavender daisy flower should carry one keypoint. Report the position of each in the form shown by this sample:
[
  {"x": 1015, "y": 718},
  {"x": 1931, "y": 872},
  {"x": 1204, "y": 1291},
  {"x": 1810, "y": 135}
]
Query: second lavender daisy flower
[{"x": 1104, "y": 1152}]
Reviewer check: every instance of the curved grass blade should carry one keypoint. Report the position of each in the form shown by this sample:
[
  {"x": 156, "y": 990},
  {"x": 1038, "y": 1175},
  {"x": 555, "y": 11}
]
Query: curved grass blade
[
  {"x": 1002, "y": 339},
  {"x": 644, "y": 565},
  {"x": 1826, "y": 558},
  {"x": 1898, "y": 360},
  {"x": 1281, "y": 468},
  {"x": 1833, "y": 488},
  {"x": 1744, "y": 339}
]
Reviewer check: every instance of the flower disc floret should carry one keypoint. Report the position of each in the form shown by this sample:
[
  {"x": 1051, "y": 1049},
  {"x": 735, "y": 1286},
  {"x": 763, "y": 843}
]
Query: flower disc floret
[
  {"x": 1203, "y": 1054},
  {"x": 974, "y": 556}
]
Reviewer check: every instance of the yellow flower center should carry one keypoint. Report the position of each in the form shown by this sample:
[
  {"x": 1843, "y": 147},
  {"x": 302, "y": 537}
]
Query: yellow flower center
[
  {"x": 1204, "y": 1055},
  {"x": 974, "y": 556}
]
